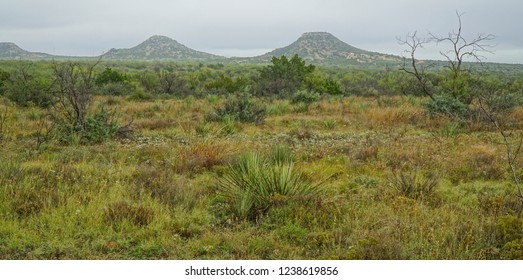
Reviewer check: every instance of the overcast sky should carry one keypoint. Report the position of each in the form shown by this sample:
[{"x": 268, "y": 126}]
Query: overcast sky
[{"x": 253, "y": 27}]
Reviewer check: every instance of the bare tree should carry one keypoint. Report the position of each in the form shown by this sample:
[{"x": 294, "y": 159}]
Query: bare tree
[
  {"x": 463, "y": 48},
  {"x": 75, "y": 85},
  {"x": 417, "y": 70}
]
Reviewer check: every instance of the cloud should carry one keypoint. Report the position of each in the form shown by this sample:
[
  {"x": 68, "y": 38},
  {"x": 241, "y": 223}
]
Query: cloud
[{"x": 84, "y": 27}]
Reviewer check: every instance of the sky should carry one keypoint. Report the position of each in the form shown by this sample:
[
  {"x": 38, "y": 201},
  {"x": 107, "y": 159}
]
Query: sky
[{"x": 254, "y": 27}]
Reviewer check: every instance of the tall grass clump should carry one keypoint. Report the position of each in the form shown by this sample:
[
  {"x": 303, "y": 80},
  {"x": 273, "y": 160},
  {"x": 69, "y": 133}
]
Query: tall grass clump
[
  {"x": 256, "y": 183},
  {"x": 242, "y": 108},
  {"x": 414, "y": 185}
]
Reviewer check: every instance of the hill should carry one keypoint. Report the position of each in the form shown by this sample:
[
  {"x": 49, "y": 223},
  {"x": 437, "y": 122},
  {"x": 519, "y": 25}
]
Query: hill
[
  {"x": 159, "y": 48},
  {"x": 325, "y": 49},
  {"x": 10, "y": 50}
]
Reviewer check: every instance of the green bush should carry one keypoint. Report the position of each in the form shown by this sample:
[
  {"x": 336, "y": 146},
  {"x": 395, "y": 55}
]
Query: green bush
[
  {"x": 99, "y": 127},
  {"x": 305, "y": 96},
  {"x": 255, "y": 184},
  {"x": 110, "y": 76},
  {"x": 26, "y": 90},
  {"x": 447, "y": 106}
]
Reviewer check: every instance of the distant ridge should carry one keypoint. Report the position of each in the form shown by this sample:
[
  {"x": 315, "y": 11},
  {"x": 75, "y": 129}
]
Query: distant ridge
[{"x": 158, "y": 48}]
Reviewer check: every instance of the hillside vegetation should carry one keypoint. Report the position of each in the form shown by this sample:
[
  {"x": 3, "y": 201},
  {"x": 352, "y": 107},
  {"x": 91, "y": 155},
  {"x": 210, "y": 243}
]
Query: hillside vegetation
[{"x": 160, "y": 160}]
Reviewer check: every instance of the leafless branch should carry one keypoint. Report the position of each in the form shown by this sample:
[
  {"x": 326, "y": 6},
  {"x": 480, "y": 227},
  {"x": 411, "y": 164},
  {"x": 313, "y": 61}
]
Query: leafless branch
[
  {"x": 463, "y": 48},
  {"x": 413, "y": 42}
]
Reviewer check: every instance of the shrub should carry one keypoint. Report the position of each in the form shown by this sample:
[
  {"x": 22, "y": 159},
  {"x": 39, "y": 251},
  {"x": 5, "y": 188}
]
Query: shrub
[
  {"x": 255, "y": 184},
  {"x": 98, "y": 127},
  {"x": 305, "y": 96},
  {"x": 242, "y": 108},
  {"x": 110, "y": 76},
  {"x": 75, "y": 86},
  {"x": 25, "y": 89},
  {"x": 332, "y": 87},
  {"x": 503, "y": 101},
  {"x": 447, "y": 106},
  {"x": 116, "y": 89}
]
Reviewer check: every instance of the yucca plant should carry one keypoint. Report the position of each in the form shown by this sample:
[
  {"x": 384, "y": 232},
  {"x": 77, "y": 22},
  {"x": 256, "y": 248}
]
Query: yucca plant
[
  {"x": 254, "y": 184},
  {"x": 281, "y": 154}
]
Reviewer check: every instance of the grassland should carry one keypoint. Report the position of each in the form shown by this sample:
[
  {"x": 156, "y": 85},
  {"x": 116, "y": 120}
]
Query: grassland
[{"x": 156, "y": 195}]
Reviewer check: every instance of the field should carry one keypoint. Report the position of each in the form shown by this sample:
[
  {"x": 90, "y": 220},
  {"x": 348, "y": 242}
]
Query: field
[{"x": 390, "y": 182}]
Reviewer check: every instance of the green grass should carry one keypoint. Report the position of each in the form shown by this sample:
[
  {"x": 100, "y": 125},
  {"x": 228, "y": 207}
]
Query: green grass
[{"x": 298, "y": 186}]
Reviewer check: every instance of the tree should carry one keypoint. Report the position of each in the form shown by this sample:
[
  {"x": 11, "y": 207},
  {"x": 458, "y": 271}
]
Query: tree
[{"x": 283, "y": 76}]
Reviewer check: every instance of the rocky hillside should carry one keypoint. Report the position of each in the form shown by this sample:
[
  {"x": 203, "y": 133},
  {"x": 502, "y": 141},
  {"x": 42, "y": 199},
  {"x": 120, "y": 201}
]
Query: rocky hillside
[{"x": 158, "y": 48}]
